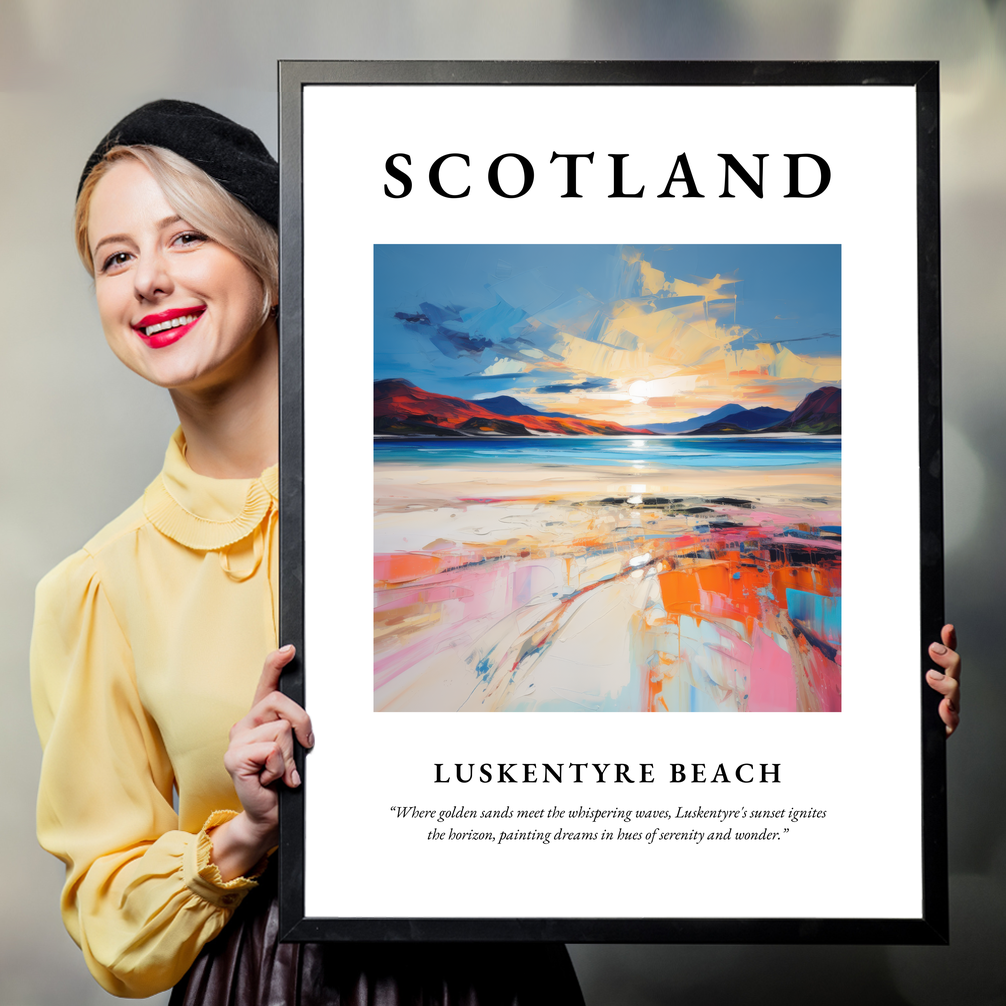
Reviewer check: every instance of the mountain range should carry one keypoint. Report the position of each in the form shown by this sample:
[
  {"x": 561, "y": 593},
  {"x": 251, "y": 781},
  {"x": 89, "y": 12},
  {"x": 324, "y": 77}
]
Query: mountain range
[
  {"x": 747, "y": 420},
  {"x": 401, "y": 409},
  {"x": 504, "y": 405},
  {"x": 819, "y": 413}
]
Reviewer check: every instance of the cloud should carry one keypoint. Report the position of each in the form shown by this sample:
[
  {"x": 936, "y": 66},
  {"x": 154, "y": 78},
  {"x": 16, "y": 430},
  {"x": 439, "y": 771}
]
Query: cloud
[
  {"x": 775, "y": 360},
  {"x": 640, "y": 346},
  {"x": 505, "y": 366},
  {"x": 412, "y": 319},
  {"x": 593, "y": 384},
  {"x": 455, "y": 344}
]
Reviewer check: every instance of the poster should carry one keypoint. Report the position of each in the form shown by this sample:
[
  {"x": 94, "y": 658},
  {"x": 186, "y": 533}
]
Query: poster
[
  {"x": 581, "y": 546},
  {"x": 609, "y": 424}
]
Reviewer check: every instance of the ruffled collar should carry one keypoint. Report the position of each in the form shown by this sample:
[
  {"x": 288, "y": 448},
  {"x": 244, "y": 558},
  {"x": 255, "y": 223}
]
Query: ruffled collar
[{"x": 203, "y": 513}]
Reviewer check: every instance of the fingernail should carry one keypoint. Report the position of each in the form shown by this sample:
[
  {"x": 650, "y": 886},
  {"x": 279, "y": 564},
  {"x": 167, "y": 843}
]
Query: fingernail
[
  {"x": 938, "y": 648},
  {"x": 295, "y": 777},
  {"x": 310, "y": 740},
  {"x": 936, "y": 675},
  {"x": 287, "y": 649}
]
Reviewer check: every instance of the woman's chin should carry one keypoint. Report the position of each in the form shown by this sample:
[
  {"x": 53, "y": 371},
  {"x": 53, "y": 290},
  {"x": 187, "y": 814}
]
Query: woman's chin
[
  {"x": 172, "y": 374},
  {"x": 196, "y": 365}
]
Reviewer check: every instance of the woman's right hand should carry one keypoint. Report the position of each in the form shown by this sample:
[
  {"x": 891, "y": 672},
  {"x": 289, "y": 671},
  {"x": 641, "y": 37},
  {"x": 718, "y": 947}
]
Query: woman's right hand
[
  {"x": 948, "y": 681},
  {"x": 260, "y": 753}
]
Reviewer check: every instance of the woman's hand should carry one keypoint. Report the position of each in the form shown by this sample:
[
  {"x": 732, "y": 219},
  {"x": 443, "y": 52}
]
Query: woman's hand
[
  {"x": 260, "y": 753},
  {"x": 947, "y": 682}
]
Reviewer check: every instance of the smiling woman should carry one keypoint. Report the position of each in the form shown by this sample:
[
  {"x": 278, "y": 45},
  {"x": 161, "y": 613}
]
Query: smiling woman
[
  {"x": 149, "y": 643},
  {"x": 157, "y": 278}
]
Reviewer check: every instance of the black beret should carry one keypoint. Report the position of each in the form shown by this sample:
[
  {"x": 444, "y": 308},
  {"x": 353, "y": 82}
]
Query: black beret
[{"x": 231, "y": 154}]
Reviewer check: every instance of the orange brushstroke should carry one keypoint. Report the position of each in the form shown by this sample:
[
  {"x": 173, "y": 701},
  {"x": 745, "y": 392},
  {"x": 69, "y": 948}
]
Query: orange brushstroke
[
  {"x": 824, "y": 580},
  {"x": 679, "y": 591},
  {"x": 598, "y": 542},
  {"x": 736, "y": 584},
  {"x": 398, "y": 567}
]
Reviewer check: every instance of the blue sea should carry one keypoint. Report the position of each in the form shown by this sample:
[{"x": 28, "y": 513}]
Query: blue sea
[{"x": 615, "y": 452}]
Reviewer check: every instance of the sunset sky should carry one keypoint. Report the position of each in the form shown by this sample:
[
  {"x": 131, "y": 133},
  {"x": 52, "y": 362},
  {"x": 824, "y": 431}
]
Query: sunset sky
[{"x": 632, "y": 335}]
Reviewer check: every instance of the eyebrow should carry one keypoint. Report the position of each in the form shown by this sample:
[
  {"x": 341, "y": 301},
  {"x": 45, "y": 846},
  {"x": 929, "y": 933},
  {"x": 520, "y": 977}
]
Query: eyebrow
[{"x": 160, "y": 225}]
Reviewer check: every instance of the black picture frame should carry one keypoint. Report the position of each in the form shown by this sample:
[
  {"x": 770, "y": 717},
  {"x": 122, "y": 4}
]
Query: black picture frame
[{"x": 932, "y": 926}]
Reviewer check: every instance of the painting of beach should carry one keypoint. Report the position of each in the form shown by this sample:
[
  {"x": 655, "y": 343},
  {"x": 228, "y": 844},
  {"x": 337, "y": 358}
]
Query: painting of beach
[{"x": 607, "y": 478}]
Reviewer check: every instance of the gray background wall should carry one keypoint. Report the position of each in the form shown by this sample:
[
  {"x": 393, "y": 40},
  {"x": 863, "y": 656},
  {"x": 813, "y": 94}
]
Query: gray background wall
[{"x": 82, "y": 436}]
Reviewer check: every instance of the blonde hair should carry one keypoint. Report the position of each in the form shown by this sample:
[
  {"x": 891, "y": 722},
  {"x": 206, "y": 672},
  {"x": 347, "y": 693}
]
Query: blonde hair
[{"x": 199, "y": 200}]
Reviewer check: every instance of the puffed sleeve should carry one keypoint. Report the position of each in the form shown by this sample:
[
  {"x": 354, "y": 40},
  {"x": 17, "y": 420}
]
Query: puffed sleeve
[{"x": 141, "y": 898}]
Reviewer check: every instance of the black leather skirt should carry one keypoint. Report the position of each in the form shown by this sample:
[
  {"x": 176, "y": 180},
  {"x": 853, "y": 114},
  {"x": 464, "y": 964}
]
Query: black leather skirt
[{"x": 246, "y": 965}]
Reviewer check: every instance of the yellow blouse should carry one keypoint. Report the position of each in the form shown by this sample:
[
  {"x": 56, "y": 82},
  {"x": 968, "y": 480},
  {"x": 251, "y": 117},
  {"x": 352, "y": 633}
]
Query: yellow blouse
[{"x": 147, "y": 647}]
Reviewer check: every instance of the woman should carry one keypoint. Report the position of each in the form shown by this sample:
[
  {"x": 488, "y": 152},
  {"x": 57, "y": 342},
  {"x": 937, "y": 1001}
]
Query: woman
[{"x": 148, "y": 643}]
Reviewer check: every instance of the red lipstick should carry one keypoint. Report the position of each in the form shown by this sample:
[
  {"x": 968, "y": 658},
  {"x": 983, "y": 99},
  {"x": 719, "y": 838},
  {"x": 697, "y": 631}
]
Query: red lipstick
[{"x": 165, "y": 333}]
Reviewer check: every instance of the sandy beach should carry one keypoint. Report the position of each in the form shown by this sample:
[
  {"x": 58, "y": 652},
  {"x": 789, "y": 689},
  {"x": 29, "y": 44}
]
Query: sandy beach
[{"x": 541, "y": 587}]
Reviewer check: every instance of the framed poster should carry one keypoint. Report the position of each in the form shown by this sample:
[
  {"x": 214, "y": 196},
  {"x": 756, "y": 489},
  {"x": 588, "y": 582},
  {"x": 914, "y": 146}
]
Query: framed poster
[{"x": 610, "y": 398}]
